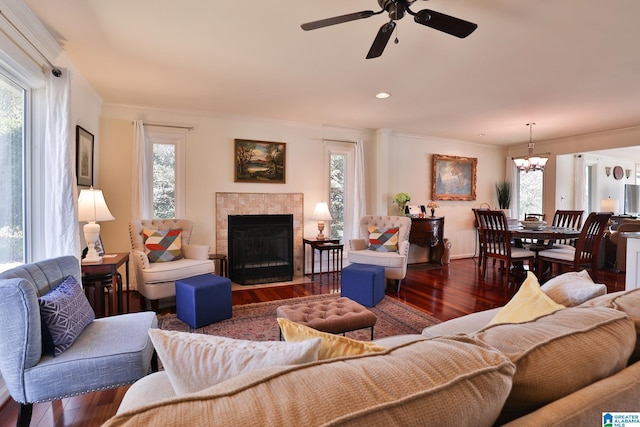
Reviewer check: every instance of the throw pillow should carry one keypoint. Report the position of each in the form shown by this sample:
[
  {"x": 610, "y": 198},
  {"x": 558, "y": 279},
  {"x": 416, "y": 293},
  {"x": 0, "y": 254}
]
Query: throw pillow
[
  {"x": 65, "y": 312},
  {"x": 196, "y": 361},
  {"x": 383, "y": 239},
  {"x": 163, "y": 245},
  {"x": 527, "y": 304},
  {"x": 560, "y": 353},
  {"x": 627, "y": 302},
  {"x": 573, "y": 288},
  {"x": 332, "y": 345}
]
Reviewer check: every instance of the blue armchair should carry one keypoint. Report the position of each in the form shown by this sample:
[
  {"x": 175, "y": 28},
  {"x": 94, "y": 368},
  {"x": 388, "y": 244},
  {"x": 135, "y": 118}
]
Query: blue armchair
[{"x": 110, "y": 352}]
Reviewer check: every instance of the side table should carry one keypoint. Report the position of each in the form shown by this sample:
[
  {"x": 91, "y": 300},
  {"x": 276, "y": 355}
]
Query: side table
[
  {"x": 221, "y": 264},
  {"x": 109, "y": 265},
  {"x": 332, "y": 246}
]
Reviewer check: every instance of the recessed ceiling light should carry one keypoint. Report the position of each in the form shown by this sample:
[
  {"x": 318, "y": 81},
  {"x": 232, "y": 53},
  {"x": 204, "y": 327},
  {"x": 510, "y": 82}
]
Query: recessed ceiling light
[
  {"x": 383, "y": 95},
  {"x": 481, "y": 134}
]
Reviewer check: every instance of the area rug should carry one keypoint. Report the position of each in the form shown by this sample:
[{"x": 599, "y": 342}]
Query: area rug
[{"x": 257, "y": 322}]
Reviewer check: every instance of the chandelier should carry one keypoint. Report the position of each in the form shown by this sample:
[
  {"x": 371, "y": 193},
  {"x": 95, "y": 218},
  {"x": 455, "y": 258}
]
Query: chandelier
[{"x": 531, "y": 162}]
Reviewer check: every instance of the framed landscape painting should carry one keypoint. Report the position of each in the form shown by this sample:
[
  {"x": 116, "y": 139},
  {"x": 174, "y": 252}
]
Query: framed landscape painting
[
  {"x": 260, "y": 161},
  {"x": 454, "y": 178}
]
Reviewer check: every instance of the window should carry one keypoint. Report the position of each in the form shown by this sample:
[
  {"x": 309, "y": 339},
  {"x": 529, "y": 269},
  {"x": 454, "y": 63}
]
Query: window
[
  {"x": 340, "y": 176},
  {"x": 529, "y": 192},
  {"x": 12, "y": 173},
  {"x": 337, "y": 194},
  {"x": 168, "y": 180}
]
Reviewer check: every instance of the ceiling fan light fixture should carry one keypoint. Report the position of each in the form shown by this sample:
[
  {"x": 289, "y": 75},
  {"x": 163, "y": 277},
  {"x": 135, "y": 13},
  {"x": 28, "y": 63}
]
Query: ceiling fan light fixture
[{"x": 396, "y": 10}]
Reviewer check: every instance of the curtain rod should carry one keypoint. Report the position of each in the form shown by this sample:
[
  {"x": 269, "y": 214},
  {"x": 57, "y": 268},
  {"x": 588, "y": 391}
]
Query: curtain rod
[
  {"x": 190, "y": 128},
  {"x": 339, "y": 140},
  {"x": 54, "y": 70}
]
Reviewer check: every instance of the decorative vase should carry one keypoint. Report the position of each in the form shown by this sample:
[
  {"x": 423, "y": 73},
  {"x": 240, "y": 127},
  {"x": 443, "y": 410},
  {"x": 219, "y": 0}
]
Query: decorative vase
[{"x": 401, "y": 209}]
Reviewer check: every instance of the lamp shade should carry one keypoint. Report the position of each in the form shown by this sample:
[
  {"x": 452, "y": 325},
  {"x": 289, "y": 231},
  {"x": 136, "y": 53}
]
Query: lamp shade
[
  {"x": 610, "y": 205},
  {"x": 92, "y": 207},
  {"x": 321, "y": 212}
]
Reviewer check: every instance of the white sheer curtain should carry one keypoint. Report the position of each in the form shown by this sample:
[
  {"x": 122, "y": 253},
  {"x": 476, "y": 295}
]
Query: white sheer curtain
[
  {"x": 61, "y": 232},
  {"x": 359, "y": 191},
  {"x": 141, "y": 199},
  {"x": 579, "y": 183}
]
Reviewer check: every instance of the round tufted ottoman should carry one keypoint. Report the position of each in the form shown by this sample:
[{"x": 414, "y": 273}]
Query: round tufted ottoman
[{"x": 335, "y": 316}]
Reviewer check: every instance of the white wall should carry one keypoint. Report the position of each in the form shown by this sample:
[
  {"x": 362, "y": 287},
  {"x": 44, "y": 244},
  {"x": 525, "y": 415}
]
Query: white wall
[
  {"x": 411, "y": 169},
  {"x": 554, "y": 173},
  {"x": 209, "y": 159},
  {"x": 395, "y": 163}
]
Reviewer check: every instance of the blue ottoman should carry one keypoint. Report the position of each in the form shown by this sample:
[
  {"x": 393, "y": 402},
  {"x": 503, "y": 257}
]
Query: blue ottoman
[
  {"x": 202, "y": 300},
  {"x": 363, "y": 283}
]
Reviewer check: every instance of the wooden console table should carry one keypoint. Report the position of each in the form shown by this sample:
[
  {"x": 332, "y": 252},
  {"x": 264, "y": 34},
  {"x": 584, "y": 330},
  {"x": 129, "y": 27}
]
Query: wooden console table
[{"x": 429, "y": 232}]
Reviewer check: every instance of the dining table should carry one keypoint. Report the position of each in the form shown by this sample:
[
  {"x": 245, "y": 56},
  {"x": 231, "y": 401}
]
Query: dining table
[{"x": 545, "y": 237}]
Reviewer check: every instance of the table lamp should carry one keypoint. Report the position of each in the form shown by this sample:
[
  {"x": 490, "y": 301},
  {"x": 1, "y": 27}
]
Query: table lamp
[
  {"x": 92, "y": 208},
  {"x": 321, "y": 214}
]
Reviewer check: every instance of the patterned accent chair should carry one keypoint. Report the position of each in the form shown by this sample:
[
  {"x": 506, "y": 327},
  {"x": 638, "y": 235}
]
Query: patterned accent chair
[
  {"x": 395, "y": 262},
  {"x": 156, "y": 280},
  {"x": 109, "y": 352}
]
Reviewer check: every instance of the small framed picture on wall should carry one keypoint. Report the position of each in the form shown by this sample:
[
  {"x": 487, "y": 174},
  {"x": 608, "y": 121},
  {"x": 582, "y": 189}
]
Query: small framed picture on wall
[{"x": 84, "y": 157}]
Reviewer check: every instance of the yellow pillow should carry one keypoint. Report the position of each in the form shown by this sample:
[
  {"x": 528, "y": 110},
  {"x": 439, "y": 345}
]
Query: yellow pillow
[
  {"x": 528, "y": 303},
  {"x": 332, "y": 345}
]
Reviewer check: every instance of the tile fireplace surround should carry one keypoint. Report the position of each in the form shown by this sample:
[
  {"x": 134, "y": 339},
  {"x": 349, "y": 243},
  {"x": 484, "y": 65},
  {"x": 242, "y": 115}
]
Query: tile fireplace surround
[{"x": 260, "y": 204}]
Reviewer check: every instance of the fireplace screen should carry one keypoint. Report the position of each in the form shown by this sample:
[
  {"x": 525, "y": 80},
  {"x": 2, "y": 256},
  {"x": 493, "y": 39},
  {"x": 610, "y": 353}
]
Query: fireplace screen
[{"x": 260, "y": 248}]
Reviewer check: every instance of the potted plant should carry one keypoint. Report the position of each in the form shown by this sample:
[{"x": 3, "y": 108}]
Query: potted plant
[
  {"x": 503, "y": 191},
  {"x": 401, "y": 200}
]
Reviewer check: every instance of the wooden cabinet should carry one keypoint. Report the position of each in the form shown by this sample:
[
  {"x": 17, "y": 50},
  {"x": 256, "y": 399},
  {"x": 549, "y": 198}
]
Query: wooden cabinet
[{"x": 429, "y": 232}]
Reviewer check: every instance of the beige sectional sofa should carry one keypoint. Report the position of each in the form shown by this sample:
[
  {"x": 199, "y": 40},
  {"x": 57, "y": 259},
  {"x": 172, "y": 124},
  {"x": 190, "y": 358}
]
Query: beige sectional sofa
[{"x": 564, "y": 368}]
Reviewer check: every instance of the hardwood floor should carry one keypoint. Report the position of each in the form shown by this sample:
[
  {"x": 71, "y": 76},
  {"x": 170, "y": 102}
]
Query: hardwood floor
[{"x": 447, "y": 292}]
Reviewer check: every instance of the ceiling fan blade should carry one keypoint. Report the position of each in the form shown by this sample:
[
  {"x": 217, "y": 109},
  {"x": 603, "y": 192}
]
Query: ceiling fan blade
[
  {"x": 445, "y": 23},
  {"x": 381, "y": 40},
  {"x": 337, "y": 20}
]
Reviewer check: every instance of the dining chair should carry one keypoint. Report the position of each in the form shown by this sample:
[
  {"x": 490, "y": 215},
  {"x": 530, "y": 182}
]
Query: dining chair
[
  {"x": 585, "y": 252},
  {"x": 567, "y": 219},
  {"x": 495, "y": 242}
]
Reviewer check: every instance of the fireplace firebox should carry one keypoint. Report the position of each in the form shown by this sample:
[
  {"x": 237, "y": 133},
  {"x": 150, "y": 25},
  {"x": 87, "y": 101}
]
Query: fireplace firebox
[{"x": 260, "y": 248}]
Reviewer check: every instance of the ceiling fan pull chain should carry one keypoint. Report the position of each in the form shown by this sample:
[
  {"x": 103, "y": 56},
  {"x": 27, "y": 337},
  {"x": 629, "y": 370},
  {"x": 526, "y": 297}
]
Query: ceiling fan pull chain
[{"x": 396, "y": 41}]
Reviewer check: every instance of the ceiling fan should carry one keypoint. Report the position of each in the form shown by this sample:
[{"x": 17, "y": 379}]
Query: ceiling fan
[{"x": 396, "y": 10}]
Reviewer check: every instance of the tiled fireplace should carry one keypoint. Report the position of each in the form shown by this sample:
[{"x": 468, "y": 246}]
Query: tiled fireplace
[{"x": 260, "y": 204}]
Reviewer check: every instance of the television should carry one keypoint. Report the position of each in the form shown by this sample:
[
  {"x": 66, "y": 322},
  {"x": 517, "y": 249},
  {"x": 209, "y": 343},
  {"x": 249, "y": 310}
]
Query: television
[{"x": 631, "y": 199}]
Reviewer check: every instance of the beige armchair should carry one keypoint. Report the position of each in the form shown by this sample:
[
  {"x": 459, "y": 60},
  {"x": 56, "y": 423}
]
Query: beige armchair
[
  {"x": 620, "y": 242},
  {"x": 156, "y": 280},
  {"x": 394, "y": 263}
]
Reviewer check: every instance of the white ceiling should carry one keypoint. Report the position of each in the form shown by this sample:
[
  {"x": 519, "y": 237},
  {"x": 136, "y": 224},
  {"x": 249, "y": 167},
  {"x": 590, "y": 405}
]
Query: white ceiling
[{"x": 571, "y": 66}]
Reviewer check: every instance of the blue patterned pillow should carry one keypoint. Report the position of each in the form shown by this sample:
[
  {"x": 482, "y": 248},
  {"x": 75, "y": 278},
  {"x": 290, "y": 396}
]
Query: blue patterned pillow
[{"x": 65, "y": 312}]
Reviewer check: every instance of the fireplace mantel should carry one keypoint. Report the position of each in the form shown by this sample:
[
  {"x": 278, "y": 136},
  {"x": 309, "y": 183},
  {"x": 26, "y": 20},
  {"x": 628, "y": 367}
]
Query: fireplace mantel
[{"x": 263, "y": 204}]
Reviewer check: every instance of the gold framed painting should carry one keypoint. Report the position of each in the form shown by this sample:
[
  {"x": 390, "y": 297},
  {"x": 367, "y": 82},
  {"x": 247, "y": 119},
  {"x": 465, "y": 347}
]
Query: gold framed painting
[
  {"x": 260, "y": 161},
  {"x": 453, "y": 178}
]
